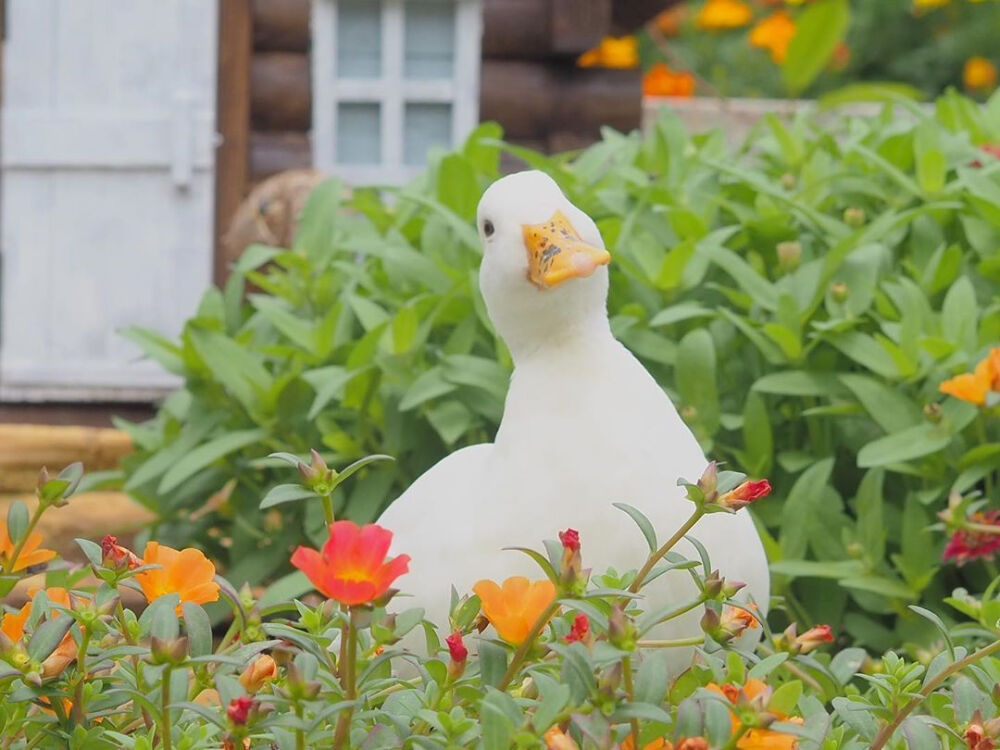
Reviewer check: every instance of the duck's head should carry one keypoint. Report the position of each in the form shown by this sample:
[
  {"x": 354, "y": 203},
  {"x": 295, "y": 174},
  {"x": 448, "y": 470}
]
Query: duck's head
[{"x": 542, "y": 274}]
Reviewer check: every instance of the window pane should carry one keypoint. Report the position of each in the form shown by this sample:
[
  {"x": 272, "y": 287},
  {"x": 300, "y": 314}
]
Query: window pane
[
  {"x": 359, "y": 39},
  {"x": 425, "y": 126},
  {"x": 359, "y": 139},
  {"x": 430, "y": 38}
]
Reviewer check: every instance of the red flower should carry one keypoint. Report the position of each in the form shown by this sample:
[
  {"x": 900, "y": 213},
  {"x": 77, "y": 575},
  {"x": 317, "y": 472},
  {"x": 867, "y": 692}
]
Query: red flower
[
  {"x": 116, "y": 557},
  {"x": 239, "y": 709},
  {"x": 814, "y": 638},
  {"x": 745, "y": 494},
  {"x": 579, "y": 630},
  {"x": 966, "y": 545},
  {"x": 456, "y": 647},
  {"x": 352, "y": 568},
  {"x": 570, "y": 539}
]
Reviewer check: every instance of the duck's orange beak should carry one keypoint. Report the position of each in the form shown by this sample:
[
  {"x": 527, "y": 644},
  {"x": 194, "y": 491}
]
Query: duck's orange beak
[{"x": 556, "y": 252}]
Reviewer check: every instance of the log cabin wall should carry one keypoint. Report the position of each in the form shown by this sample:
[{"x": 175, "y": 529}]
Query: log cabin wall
[
  {"x": 280, "y": 89},
  {"x": 531, "y": 84}
]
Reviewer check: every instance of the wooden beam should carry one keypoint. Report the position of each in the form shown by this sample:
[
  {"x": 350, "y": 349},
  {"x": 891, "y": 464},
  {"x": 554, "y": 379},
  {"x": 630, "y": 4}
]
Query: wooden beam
[
  {"x": 232, "y": 156},
  {"x": 578, "y": 25},
  {"x": 516, "y": 29},
  {"x": 280, "y": 93},
  {"x": 629, "y": 15},
  {"x": 272, "y": 152},
  {"x": 281, "y": 25}
]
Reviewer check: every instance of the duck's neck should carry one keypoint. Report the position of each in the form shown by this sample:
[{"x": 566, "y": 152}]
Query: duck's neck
[{"x": 546, "y": 337}]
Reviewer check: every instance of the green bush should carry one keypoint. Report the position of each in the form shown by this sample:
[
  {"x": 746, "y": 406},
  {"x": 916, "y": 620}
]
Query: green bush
[{"x": 800, "y": 298}]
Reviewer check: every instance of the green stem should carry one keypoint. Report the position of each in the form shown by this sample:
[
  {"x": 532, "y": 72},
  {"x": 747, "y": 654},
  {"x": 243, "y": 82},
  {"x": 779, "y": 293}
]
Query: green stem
[
  {"x": 79, "y": 714},
  {"x": 347, "y": 667},
  {"x": 680, "y": 642},
  {"x": 735, "y": 739},
  {"x": 981, "y": 433},
  {"x": 140, "y": 683},
  {"x": 300, "y": 735},
  {"x": 166, "y": 741},
  {"x": 8, "y": 565},
  {"x": 328, "y": 509},
  {"x": 663, "y": 550},
  {"x": 630, "y": 693},
  {"x": 981, "y": 528},
  {"x": 795, "y": 671},
  {"x": 885, "y": 734},
  {"x": 522, "y": 650}
]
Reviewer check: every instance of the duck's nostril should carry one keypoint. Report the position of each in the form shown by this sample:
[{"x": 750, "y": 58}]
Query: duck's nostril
[{"x": 583, "y": 264}]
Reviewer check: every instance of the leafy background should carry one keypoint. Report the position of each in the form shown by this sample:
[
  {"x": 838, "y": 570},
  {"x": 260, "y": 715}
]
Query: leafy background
[{"x": 369, "y": 336}]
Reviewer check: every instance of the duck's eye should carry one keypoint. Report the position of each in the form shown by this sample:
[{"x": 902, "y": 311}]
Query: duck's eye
[{"x": 488, "y": 228}]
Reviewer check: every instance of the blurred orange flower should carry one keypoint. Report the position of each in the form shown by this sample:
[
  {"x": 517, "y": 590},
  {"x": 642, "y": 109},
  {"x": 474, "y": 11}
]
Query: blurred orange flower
[
  {"x": 979, "y": 74},
  {"x": 923, "y": 5},
  {"x": 514, "y": 608},
  {"x": 352, "y": 567},
  {"x": 660, "y": 80},
  {"x": 187, "y": 573},
  {"x": 756, "y": 739},
  {"x": 669, "y": 21},
  {"x": 774, "y": 34},
  {"x": 31, "y": 553},
  {"x": 721, "y": 15},
  {"x": 973, "y": 386},
  {"x": 659, "y": 743},
  {"x": 261, "y": 670},
  {"x": 612, "y": 52},
  {"x": 13, "y": 623},
  {"x": 557, "y": 739}
]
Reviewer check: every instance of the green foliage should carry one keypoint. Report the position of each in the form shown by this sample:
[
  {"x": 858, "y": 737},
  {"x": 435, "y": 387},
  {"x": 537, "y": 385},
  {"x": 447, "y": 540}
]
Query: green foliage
[
  {"x": 79, "y": 669},
  {"x": 858, "y": 48},
  {"x": 800, "y": 300}
]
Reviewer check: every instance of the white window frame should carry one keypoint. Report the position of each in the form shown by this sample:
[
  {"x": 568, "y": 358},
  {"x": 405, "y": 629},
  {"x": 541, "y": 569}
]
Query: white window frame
[{"x": 392, "y": 91}]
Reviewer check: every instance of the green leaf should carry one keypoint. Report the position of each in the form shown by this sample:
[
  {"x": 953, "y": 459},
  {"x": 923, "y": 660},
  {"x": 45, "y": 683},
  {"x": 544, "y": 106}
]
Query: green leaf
[
  {"x": 931, "y": 164},
  {"x": 492, "y": 662},
  {"x": 914, "y": 442},
  {"x": 653, "y": 679},
  {"x": 237, "y": 369},
  {"x": 801, "y": 509},
  {"x": 329, "y": 383},
  {"x": 457, "y": 186},
  {"x": 429, "y": 385},
  {"x": 198, "y": 628},
  {"x": 818, "y": 29},
  {"x": 286, "y": 493},
  {"x": 785, "y": 698},
  {"x": 765, "y": 666},
  {"x": 883, "y": 586},
  {"x": 758, "y": 438},
  {"x": 17, "y": 522},
  {"x": 888, "y": 407},
  {"x": 158, "y": 348},
  {"x": 799, "y": 383},
  {"x": 644, "y": 524},
  {"x": 868, "y": 506},
  {"x": 206, "y": 454},
  {"x": 696, "y": 379},
  {"x": 48, "y": 636}
]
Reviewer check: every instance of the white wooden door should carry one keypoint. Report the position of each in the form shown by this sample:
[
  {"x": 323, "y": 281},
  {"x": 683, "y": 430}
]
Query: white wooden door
[{"x": 106, "y": 176}]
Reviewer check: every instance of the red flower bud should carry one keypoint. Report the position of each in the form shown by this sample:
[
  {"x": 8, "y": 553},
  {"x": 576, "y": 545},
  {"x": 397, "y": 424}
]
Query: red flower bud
[
  {"x": 239, "y": 710},
  {"x": 116, "y": 557},
  {"x": 580, "y": 630},
  {"x": 456, "y": 647},
  {"x": 814, "y": 638},
  {"x": 570, "y": 539},
  {"x": 745, "y": 494}
]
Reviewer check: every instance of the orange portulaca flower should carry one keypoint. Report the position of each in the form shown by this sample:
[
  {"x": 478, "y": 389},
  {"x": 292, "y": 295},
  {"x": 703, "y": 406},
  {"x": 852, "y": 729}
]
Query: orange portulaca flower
[
  {"x": 974, "y": 386},
  {"x": 263, "y": 669},
  {"x": 557, "y": 739},
  {"x": 352, "y": 568},
  {"x": 187, "y": 573},
  {"x": 31, "y": 552},
  {"x": 774, "y": 34},
  {"x": 979, "y": 74},
  {"x": 756, "y": 739},
  {"x": 613, "y": 52},
  {"x": 514, "y": 608},
  {"x": 660, "y": 80},
  {"x": 721, "y": 15},
  {"x": 660, "y": 743},
  {"x": 13, "y": 623}
]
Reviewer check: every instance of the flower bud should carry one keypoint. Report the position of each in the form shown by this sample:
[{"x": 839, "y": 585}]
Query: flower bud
[
  {"x": 743, "y": 495},
  {"x": 788, "y": 181},
  {"x": 609, "y": 680},
  {"x": 240, "y": 709},
  {"x": 713, "y": 585},
  {"x": 814, "y": 638},
  {"x": 731, "y": 588},
  {"x": 789, "y": 255},
  {"x": 118, "y": 558},
  {"x": 171, "y": 651},
  {"x": 839, "y": 292},
  {"x": 571, "y": 566},
  {"x": 854, "y": 217},
  {"x": 621, "y": 634},
  {"x": 709, "y": 481},
  {"x": 459, "y": 654},
  {"x": 932, "y": 413},
  {"x": 260, "y": 671},
  {"x": 579, "y": 631},
  {"x": 297, "y": 687}
]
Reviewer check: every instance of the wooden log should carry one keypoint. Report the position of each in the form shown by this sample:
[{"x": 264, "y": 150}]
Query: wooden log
[
  {"x": 281, "y": 25},
  {"x": 629, "y": 15},
  {"x": 578, "y": 25},
  {"x": 273, "y": 152},
  {"x": 26, "y": 448},
  {"x": 280, "y": 93},
  {"x": 516, "y": 29},
  {"x": 543, "y": 29},
  {"x": 531, "y": 100},
  {"x": 233, "y": 120}
]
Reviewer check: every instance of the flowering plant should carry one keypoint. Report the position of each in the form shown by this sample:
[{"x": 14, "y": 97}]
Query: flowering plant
[{"x": 564, "y": 662}]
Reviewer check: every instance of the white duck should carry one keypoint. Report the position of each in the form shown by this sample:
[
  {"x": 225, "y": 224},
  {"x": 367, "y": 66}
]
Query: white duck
[{"x": 584, "y": 426}]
